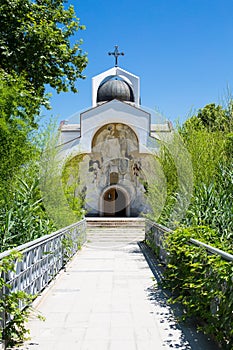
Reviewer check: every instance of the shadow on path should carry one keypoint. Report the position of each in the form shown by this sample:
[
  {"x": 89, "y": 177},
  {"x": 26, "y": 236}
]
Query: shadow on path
[{"x": 169, "y": 315}]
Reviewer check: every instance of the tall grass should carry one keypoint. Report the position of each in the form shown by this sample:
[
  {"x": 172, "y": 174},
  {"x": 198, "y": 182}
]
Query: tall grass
[
  {"x": 23, "y": 217},
  {"x": 211, "y": 152}
]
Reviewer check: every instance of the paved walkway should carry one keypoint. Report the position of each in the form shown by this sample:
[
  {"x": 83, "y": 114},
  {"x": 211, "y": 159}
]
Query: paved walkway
[{"x": 107, "y": 300}]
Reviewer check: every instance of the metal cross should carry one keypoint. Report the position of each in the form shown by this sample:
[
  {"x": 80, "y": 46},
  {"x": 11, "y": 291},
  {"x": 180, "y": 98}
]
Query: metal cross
[{"x": 116, "y": 54}]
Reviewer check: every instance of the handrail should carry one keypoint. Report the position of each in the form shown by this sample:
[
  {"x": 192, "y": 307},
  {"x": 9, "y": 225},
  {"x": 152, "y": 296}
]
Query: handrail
[
  {"x": 158, "y": 240},
  {"x": 36, "y": 242},
  {"x": 162, "y": 227},
  {"x": 44, "y": 257},
  {"x": 213, "y": 250}
]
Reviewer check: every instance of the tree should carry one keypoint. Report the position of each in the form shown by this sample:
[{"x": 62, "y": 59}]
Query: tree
[
  {"x": 211, "y": 118},
  {"x": 35, "y": 42},
  {"x": 18, "y": 106},
  {"x": 35, "y": 51}
]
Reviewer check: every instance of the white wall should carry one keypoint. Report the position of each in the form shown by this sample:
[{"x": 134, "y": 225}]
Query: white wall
[{"x": 114, "y": 112}]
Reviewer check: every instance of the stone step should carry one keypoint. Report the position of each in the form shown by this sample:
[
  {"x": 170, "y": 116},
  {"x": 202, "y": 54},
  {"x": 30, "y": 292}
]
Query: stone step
[
  {"x": 114, "y": 238},
  {"x": 115, "y": 230},
  {"x": 110, "y": 232},
  {"x": 113, "y": 242},
  {"x": 115, "y": 222}
]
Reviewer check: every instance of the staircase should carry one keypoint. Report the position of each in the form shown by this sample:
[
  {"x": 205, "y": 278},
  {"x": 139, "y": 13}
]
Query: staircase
[{"x": 114, "y": 232}]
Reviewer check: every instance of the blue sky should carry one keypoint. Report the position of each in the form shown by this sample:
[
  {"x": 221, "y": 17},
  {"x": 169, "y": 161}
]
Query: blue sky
[{"x": 181, "y": 49}]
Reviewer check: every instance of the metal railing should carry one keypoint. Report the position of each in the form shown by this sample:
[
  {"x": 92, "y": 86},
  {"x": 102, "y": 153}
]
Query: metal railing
[
  {"x": 42, "y": 259},
  {"x": 155, "y": 235},
  {"x": 212, "y": 250}
]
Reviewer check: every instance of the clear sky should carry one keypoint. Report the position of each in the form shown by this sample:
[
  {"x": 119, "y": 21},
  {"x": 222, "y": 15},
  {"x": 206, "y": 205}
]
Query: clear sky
[{"x": 182, "y": 50}]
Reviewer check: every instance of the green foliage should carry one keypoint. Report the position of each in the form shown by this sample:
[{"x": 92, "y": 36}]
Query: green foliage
[
  {"x": 19, "y": 104},
  {"x": 211, "y": 118},
  {"x": 35, "y": 42},
  {"x": 154, "y": 183},
  {"x": 35, "y": 50},
  {"x": 203, "y": 283},
  {"x": 211, "y": 149},
  {"x": 18, "y": 107},
  {"x": 228, "y": 147},
  {"x": 22, "y": 215},
  {"x": 207, "y": 150},
  {"x": 54, "y": 198},
  {"x": 170, "y": 172},
  {"x": 177, "y": 169},
  {"x": 73, "y": 190},
  {"x": 208, "y": 140},
  {"x": 212, "y": 205},
  {"x": 15, "y": 330},
  {"x": 68, "y": 245}
]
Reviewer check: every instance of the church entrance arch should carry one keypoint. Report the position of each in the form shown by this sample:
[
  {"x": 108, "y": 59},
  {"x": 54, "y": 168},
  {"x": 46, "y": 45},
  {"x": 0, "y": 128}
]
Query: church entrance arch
[{"x": 114, "y": 202}]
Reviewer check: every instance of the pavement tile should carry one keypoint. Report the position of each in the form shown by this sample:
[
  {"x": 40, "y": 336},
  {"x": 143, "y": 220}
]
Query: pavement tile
[
  {"x": 56, "y": 318},
  {"x": 119, "y": 319},
  {"x": 76, "y": 318},
  {"x": 122, "y": 333},
  {"x": 98, "y": 333},
  {"x": 94, "y": 345},
  {"x": 123, "y": 345},
  {"x": 97, "y": 319},
  {"x": 41, "y": 345},
  {"x": 151, "y": 345},
  {"x": 67, "y": 345}
]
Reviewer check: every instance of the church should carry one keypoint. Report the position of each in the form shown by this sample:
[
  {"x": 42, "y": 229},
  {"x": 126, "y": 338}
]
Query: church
[{"x": 116, "y": 142}]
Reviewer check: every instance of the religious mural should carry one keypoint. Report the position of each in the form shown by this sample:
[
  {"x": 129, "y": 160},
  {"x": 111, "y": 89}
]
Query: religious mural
[
  {"x": 114, "y": 155},
  {"x": 115, "y": 141}
]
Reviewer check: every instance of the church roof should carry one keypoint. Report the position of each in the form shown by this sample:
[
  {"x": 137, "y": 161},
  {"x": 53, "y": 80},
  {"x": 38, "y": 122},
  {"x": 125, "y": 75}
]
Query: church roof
[{"x": 114, "y": 87}]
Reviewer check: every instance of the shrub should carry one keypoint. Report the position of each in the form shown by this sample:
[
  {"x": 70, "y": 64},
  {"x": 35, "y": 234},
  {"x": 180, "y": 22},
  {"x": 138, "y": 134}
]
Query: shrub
[{"x": 203, "y": 283}]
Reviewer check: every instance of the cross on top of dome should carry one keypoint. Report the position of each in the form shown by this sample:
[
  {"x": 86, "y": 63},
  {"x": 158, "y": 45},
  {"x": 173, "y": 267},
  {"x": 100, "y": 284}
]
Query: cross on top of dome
[{"x": 116, "y": 54}]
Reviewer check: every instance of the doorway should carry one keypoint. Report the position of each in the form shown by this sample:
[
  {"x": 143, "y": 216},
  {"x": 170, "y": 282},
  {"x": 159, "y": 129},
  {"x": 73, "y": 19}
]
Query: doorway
[{"x": 115, "y": 203}]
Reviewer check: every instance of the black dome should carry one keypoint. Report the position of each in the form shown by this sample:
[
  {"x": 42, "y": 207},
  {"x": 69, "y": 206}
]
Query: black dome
[{"x": 114, "y": 87}]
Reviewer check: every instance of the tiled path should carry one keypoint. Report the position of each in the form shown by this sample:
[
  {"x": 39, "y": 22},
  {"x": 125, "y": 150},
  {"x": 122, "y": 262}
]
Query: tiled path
[{"x": 107, "y": 300}]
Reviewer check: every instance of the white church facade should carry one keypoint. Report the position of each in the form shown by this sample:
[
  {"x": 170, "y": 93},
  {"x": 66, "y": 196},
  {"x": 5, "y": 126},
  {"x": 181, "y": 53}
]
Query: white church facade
[{"x": 117, "y": 140}]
